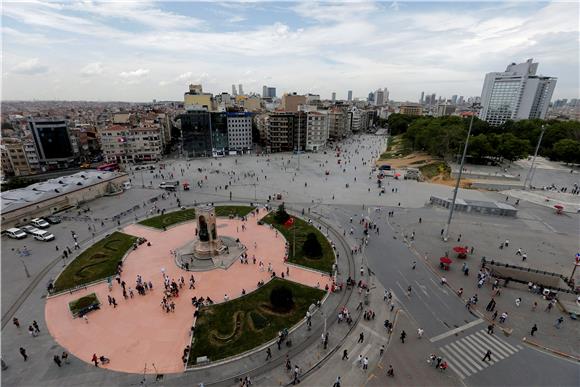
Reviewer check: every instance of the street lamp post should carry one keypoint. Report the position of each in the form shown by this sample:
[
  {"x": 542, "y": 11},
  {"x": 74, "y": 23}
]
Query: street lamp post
[
  {"x": 531, "y": 172},
  {"x": 474, "y": 107}
]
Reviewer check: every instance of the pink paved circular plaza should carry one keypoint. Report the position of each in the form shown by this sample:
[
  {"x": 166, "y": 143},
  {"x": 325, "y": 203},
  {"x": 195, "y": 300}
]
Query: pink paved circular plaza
[{"x": 139, "y": 331}]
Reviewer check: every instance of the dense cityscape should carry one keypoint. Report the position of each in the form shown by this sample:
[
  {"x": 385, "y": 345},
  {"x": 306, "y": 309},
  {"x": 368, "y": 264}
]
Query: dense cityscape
[{"x": 290, "y": 229}]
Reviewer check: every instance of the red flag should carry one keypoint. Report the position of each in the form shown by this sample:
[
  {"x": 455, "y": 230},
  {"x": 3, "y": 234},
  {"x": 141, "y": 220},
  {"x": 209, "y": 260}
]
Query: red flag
[{"x": 289, "y": 222}]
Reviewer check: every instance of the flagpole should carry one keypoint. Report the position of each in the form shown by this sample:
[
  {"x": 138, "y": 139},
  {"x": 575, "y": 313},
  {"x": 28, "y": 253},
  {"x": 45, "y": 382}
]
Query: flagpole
[{"x": 294, "y": 237}]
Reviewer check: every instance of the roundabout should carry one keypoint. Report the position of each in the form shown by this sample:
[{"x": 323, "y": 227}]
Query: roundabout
[{"x": 137, "y": 332}]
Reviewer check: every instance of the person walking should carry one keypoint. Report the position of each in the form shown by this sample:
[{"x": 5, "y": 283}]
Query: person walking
[
  {"x": 57, "y": 360},
  {"x": 365, "y": 363},
  {"x": 64, "y": 357},
  {"x": 559, "y": 322},
  {"x": 382, "y": 350},
  {"x": 95, "y": 359},
  {"x": 391, "y": 371},
  {"x": 361, "y": 337},
  {"x": 403, "y": 336},
  {"x": 268, "y": 353},
  {"x": 35, "y": 325},
  {"x": 345, "y": 355},
  {"x": 487, "y": 356},
  {"x": 23, "y": 353},
  {"x": 414, "y": 265},
  {"x": 337, "y": 382},
  {"x": 534, "y": 329},
  {"x": 16, "y": 322}
]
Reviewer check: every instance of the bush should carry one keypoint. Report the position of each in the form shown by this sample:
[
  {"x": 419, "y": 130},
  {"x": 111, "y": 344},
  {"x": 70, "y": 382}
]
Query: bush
[
  {"x": 312, "y": 247},
  {"x": 281, "y": 298},
  {"x": 281, "y": 215}
]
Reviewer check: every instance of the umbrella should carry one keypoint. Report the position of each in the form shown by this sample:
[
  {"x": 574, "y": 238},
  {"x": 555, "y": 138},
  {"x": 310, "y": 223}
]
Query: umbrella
[
  {"x": 397, "y": 174},
  {"x": 460, "y": 249},
  {"x": 559, "y": 206},
  {"x": 445, "y": 260}
]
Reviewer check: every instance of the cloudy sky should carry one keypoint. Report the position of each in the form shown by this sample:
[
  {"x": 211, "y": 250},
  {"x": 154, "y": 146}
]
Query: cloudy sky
[{"x": 144, "y": 50}]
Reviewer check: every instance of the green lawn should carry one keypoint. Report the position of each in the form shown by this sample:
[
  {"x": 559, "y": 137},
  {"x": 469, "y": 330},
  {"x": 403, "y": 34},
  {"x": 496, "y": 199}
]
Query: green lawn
[
  {"x": 97, "y": 262},
  {"x": 302, "y": 229},
  {"x": 239, "y": 325},
  {"x": 175, "y": 217},
  {"x": 233, "y": 210},
  {"x": 83, "y": 302},
  {"x": 169, "y": 218}
]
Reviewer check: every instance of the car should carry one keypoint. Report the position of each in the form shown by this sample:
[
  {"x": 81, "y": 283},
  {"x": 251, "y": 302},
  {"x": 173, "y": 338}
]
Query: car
[
  {"x": 42, "y": 235},
  {"x": 15, "y": 233},
  {"x": 29, "y": 229},
  {"x": 53, "y": 219},
  {"x": 169, "y": 185},
  {"x": 40, "y": 223}
]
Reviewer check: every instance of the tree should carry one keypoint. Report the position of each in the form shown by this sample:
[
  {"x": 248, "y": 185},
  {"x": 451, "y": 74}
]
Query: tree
[
  {"x": 479, "y": 147},
  {"x": 281, "y": 298},
  {"x": 566, "y": 150},
  {"x": 312, "y": 247},
  {"x": 281, "y": 216},
  {"x": 512, "y": 148}
]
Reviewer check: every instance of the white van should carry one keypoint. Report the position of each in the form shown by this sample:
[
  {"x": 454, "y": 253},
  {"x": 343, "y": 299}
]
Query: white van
[
  {"x": 15, "y": 233},
  {"x": 40, "y": 223},
  {"x": 42, "y": 235},
  {"x": 169, "y": 185}
]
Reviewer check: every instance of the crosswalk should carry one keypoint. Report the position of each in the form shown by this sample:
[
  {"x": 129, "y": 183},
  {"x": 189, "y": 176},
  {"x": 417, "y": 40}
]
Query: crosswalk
[{"x": 465, "y": 356}]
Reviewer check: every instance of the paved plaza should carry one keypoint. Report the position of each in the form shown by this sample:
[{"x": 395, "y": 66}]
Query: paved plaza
[{"x": 403, "y": 250}]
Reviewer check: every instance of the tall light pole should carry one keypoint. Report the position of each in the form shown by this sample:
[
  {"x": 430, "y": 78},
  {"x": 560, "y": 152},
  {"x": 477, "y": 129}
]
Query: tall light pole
[
  {"x": 530, "y": 174},
  {"x": 474, "y": 108}
]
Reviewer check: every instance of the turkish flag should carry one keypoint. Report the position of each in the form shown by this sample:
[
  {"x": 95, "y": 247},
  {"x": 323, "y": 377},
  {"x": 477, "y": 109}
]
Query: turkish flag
[{"x": 289, "y": 222}]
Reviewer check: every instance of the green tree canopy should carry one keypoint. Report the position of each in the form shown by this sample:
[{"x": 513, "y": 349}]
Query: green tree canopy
[{"x": 567, "y": 150}]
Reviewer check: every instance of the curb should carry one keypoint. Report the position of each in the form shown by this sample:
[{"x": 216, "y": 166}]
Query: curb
[{"x": 551, "y": 350}]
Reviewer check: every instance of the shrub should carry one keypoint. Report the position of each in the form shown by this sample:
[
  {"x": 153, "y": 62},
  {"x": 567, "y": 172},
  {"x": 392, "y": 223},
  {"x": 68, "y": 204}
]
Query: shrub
[
  {"x": 281, "y": 215},
  {"x": 312, "y": 247},
  {"x": 281, "y": 298}
]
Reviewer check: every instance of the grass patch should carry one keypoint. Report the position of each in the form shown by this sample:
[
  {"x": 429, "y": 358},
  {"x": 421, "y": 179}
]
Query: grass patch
[
  {"x": 170, "y": 218},
  {"x": 324, "y": 263},
  {"x": 97, "y": 262},
  {"x": 437, "y": 168},
  {"x": 395, "y": 148},
  {"x": 84, "y": 302},
  {"x": 239, "y": 325},
  {"x": 180, "y": 216},
  {"x": 233, "y": 210}
]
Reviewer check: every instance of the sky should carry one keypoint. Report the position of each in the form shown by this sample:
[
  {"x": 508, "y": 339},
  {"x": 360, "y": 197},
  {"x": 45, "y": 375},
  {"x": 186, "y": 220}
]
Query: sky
[{"x": 145, "y": 50}]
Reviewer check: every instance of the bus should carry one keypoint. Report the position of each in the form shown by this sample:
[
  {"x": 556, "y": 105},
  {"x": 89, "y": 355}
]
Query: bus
[{"x": 108, "y": 167}]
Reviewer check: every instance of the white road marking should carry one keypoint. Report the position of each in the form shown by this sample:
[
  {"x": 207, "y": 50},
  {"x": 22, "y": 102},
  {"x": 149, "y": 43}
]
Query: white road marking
[{"x": 456, "y": 330}]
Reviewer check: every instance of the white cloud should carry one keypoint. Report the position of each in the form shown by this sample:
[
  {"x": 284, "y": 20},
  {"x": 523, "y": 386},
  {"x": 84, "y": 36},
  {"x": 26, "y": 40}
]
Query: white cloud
[
  {"x": 236, "y": 19},
  {"x": 30, "y": 67},
  {"x": 139, "y": 73},
  {"x": 92, "y": 69}
]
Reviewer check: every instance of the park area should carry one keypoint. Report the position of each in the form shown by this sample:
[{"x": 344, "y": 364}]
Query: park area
[
  {"x": 237, "y": 326},
  {"x": 97, "y": 262},
  {"x": 322, "y": 258}
]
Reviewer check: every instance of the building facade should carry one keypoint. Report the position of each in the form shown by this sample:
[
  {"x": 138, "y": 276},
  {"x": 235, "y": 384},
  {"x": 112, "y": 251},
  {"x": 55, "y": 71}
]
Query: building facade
[
  {"x": 196, "y": 97},
  {"x": 239, "y": 132},
  {"x": 125, "y": 144},
  {"x": 53, "y": 142},
  {"x": 515, "y": 94},
  {"x": 290, "y": 102},
  {"x": 195, "y": 135},
  {"x": 411, "y": 109},
  {"x": 316, "y": 130}
]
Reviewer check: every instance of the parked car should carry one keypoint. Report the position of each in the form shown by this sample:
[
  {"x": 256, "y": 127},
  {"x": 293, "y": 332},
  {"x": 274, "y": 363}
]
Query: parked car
[
  {"x": 53, "y": 219},
  {"x": 42, "y": 235},
  {"x": 15, "y": 233},
  {"x": 29, "y": 229},
  {"x": 40, "y": 223}
]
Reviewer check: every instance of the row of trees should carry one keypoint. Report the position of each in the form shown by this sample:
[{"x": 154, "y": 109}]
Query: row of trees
[{"x": 445, "y": 136}]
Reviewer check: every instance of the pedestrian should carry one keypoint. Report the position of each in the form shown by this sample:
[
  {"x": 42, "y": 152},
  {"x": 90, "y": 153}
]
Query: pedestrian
[
  {"x": 268, "y": 353},
  {"x": 403, "y": 336},
  {"x": 296, "y": 375},
  {"x": 57, "y": 360},
  {"x": 490, "y": 328},
  {"x": 494, "y": 315},
  {"x": 95, "y": 359},
  {"x": 414, "y": 265},
  {"x": 64, "y": 357},
  {"x": 23, "y": 353},
  {"x": 16, "y": 322},
  {"x": 524, "y": 256},
  {"x": 382, "y": 350},
  {"x": 337, "y": 382},
  {"x": 518, "y": 302},
  {"x": 391, "y": 371},
  {"x": 359, "y": 360},
  {"x": 534, "y": 329},
  {"x": 35, "y": 325},
  {"x": 559, "y": 322},
  {"x": 366, "y": 363},
  {"x": 345, "y": 355},
  {"x": 487, "y": 356},
  {"x": 361, "y": 337}
]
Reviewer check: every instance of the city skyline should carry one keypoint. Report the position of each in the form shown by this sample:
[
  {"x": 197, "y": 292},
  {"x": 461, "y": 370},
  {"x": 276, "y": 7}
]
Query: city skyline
[{"x": 115, "y": 51}]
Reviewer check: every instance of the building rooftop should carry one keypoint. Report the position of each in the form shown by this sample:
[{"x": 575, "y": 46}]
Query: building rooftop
[{"x": 17, "y": 198}]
